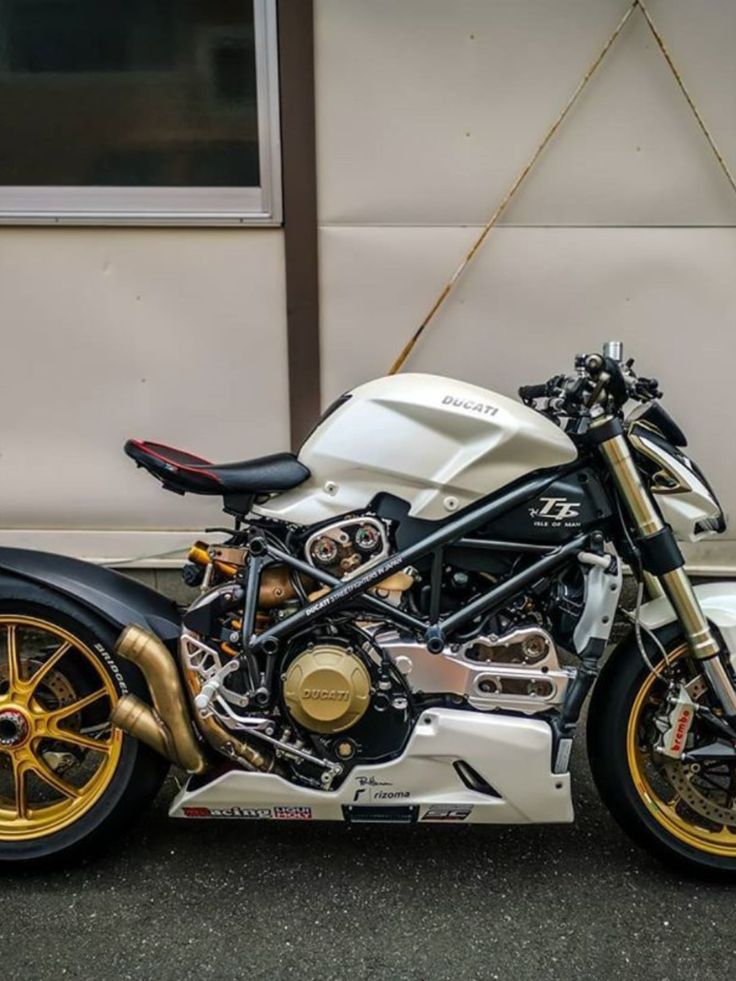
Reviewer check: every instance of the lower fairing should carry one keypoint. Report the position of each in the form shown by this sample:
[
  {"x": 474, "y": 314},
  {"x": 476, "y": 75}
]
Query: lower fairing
[{"x": 512, "y": 755}]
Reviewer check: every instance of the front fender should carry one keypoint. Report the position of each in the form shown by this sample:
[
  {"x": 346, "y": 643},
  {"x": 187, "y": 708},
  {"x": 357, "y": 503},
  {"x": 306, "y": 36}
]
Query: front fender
[
  {"x": 718, "y": 601},
  {"x": 118, "y": 599}
]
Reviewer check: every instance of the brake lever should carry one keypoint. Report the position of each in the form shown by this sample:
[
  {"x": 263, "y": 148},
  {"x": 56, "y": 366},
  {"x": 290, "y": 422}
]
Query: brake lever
[{"x": 647, "y": 389}]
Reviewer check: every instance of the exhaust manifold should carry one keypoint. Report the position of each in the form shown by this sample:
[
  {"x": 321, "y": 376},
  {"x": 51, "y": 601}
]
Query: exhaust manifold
[{"x": 168, "y": 726}]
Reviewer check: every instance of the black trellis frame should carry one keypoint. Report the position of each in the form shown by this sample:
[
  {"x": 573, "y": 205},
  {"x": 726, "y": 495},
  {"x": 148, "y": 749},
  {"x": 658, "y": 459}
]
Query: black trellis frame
[{"x": 434, "y": 629}]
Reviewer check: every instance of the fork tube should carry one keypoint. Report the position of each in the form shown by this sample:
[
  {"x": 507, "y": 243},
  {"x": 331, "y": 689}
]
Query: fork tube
[
  {"x": 652, "y": 585},
  {"x": 675, "y": 582}
]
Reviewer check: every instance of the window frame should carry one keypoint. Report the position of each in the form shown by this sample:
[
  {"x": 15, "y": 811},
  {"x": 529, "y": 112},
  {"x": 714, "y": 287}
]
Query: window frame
[{"x": 162, "y": 206}]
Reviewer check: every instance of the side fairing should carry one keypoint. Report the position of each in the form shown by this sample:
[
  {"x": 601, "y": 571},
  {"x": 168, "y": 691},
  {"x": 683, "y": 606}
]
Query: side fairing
[
  {"x": 436, "y": 443},
  {"x": 687, "y": 503}
]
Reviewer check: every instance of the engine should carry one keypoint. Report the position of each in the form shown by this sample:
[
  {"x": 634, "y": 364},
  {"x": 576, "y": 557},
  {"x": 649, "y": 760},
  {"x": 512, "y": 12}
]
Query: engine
[
  {"x": 518, "y": 671},
  {"x": 349, "y": 689},
  {"x": 327, "y": 689},
  {"x": 339, "y": 702},
  {"x": 354, "y": 706},
  {"x": 342, "y": 549}
]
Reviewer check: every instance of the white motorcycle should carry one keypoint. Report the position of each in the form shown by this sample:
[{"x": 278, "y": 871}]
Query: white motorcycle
[{"x": 402, "y": 626}]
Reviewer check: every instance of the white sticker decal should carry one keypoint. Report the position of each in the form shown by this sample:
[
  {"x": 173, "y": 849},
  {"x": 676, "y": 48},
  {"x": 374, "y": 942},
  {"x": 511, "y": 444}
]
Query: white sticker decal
[{"x": 447, "y": 812}]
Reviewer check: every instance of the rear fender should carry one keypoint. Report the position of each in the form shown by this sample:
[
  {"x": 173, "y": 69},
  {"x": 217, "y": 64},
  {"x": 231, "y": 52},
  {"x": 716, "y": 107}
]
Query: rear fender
[
  {"x": 718, "y": 601},
  {"x": 118, "y": 599}
]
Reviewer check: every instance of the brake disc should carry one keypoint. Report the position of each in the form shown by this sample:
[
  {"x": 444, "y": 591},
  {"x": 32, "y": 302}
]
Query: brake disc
[
  {"x": 682, "y": 779},
  {"x": 55, "y": 683}
]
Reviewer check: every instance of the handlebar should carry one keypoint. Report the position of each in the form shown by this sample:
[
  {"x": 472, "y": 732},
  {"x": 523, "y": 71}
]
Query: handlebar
[
  {"x": 603, "y": 380},
  {"x": 528, "y": 393}
]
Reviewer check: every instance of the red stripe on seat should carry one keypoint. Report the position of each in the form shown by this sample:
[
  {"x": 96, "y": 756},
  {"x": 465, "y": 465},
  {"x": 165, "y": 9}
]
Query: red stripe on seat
[{"x": 195, "y": 469}]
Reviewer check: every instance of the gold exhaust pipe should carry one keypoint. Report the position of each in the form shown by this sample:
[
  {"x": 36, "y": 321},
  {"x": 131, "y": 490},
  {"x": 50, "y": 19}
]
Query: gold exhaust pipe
[
  {"x": 167, "y": 727},
  {"x": 137, "y": 719}
]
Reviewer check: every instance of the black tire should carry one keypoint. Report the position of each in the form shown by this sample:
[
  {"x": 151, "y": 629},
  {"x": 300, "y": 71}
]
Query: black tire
[
  {"x": 138, "y": 773},
  {"x": 613, "y": 699}
]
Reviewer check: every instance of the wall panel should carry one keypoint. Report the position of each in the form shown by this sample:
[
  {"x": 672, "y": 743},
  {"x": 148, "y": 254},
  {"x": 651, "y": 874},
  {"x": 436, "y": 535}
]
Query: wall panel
[
  {"x": 172, "y": 334},
  {"x": 427, "y": 109}
]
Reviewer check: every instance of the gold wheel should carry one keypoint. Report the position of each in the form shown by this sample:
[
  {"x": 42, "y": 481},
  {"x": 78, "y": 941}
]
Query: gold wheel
[
  {"x": 58, "y": 752},
  {"x": 696, "y": 807}
]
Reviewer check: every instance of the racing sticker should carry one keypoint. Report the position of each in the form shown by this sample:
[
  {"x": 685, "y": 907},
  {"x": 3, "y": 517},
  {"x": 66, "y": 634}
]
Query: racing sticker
[
  {"x": 448, "y": 812},
  {"x": 371, "y": 789},
  {"x": 376, "y": 814},
  {"x": 251, "y": 813},
  {"x": 292, "y": 813}
]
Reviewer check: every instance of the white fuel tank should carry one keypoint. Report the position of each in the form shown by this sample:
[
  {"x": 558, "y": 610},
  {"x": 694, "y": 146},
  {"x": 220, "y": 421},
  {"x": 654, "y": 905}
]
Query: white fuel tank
[{"x": 437, "y": 443}]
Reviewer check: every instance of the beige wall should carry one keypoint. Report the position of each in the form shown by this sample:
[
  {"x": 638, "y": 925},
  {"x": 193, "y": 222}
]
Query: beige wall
[
  {"x": 172, "y": 334},
  {"x": 426, "y": 111}
]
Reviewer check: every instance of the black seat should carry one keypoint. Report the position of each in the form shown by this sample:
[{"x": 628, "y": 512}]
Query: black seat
[{"x": 185, "y": 473}]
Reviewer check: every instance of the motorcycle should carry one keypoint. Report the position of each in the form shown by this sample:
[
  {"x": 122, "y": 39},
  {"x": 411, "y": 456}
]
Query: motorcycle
[{"x": 401, "y": 625}]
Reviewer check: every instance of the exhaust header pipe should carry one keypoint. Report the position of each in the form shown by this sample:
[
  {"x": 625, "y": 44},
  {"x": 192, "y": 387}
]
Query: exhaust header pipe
[{"x": 166, "y": 727}]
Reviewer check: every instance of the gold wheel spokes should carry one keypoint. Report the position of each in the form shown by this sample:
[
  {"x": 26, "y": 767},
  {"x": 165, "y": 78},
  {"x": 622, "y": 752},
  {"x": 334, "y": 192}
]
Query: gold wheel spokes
[
  {"x": 35, "y": 680},
  {"x": 81, "y": 740},
  {"x": 22, "y": 689},
  {"x": 45, "y": 772},
  {"x": 29, "y": 763},
  {"x": 13, "y": 665},
  {"x": 54, "y": 717},
  {"x": 58, "y": 752},
  {"x": 50, "y": 723}
]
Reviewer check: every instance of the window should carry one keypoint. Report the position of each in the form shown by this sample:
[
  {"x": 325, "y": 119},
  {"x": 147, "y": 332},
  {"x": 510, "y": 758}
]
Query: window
[{"x": 139, "y": 111}]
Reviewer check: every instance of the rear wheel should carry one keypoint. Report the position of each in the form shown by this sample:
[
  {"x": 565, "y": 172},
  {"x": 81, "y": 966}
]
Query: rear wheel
[
  {"x": 684, "y": 812},
  {"x": 68, "y": 779}
]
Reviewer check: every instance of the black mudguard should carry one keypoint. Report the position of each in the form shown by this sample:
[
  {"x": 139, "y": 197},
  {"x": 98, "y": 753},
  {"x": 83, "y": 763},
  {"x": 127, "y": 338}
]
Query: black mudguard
[{"x": 118, "y": 599}]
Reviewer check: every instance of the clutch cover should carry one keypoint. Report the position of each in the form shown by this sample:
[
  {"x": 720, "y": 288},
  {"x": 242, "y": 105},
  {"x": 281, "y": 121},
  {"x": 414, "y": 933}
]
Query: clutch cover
[{"x": 327, "y": 688}]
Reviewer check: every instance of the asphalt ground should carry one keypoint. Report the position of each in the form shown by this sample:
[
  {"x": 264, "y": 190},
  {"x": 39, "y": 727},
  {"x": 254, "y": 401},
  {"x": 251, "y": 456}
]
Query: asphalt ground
[{"x": 232, "y": 899}]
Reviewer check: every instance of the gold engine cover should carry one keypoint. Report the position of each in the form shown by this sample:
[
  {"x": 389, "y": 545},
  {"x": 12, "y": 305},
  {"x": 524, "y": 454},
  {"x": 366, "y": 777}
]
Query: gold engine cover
[{"x": 327, "y": 689}]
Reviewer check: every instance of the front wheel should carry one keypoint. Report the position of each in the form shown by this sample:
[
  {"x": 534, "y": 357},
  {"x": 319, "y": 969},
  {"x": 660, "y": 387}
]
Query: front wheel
[
  {"x": 683, "y": 812},
  {"x": 68, "y": 779}
]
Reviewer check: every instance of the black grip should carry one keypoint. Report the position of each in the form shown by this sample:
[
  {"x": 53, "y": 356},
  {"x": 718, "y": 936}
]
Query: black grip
[{"x": 529, "y": 392}]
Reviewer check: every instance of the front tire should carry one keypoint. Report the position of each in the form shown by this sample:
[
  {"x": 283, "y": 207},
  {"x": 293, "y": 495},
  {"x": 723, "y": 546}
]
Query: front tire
[
  {"x": 69, "y": 781},
  {"x": 655, "y": 801}
]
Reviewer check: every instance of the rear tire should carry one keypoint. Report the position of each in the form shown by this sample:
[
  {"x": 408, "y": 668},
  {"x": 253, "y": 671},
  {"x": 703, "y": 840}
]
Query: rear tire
[
  {"x": 622, "y": 693},
  {"x": 69, "y": 783}
]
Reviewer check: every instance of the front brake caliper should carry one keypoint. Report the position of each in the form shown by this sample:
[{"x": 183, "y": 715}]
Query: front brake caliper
[{"x": 674, "y": 722}]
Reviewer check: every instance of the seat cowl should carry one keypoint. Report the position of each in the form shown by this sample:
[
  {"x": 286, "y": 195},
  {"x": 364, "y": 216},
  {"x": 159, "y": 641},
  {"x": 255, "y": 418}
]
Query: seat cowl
[{"x": 185, "y": 473}]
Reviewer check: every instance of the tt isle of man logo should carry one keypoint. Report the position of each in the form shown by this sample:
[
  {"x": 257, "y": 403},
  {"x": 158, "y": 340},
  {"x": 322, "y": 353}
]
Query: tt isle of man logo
[{"x": 556, "y": 510}]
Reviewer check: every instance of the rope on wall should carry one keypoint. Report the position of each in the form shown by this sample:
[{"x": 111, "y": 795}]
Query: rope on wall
[
  {"x": 524, "y": 173},
  {"x": 690, "y": 101}
]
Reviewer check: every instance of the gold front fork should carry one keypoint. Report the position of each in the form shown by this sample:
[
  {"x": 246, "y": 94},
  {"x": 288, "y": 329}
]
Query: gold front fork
[{"x": 675, "y": 584}]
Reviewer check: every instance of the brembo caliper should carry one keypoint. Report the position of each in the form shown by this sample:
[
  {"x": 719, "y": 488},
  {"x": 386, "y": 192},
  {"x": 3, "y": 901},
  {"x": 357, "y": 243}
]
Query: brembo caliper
[{"x": 675, "y": 722}]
